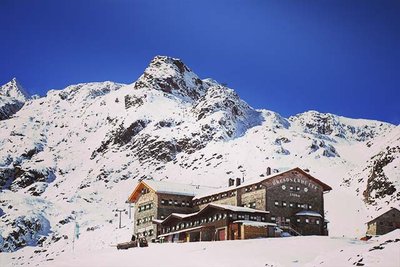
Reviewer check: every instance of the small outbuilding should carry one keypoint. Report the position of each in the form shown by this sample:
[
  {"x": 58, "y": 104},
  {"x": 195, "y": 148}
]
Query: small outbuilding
[{"x": 385, "y": 223}]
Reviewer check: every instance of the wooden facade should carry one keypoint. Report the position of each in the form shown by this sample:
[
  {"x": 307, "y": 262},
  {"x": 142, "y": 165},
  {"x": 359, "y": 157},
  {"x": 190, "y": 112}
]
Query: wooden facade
[
  {"x": 216, "y": 222},
  {"x": 294, "y": 200},
  {"x": 385, "y": 223}
]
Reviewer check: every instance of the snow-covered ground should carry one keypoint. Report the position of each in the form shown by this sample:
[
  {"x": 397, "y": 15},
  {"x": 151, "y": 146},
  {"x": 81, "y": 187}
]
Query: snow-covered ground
[{"x": 290, "y": 251}]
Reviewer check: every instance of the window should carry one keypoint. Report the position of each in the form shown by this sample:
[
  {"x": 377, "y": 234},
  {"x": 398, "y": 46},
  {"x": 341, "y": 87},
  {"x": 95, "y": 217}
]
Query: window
[
  {"x": 176, "y": 202},
  {"x": 309, "y": 207},
  {"x": 253, "y": 205},
  {"x": 287, "y": 220},
  {"x": 317, "y": 221},
  {"x": 291, "y": 188},
  {"x": 170, "y": 202},
  {"x": 284, "y": 203},
  {"x": 298, "y": 205},
  {"x": 150, "y": 232},
  {"x": 162, "y": 216},
  {"x": 163, "y": 201},
  {"x": 273, "y": 218},
  {"x": 291, "y": 204},
  {"x": 298, "y": 220},
  {"x": 307, "y": 221},
  {"x": 276, "y": 203},
  {"x": 297, "y": 188},
  {"x": 263, "y": 219}
]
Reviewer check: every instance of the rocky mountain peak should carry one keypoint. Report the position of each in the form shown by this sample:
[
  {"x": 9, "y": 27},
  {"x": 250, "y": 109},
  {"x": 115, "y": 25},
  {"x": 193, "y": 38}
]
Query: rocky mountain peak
[
  {"x": 14, "y": 89},
  {"x": 171, "y": 76}
]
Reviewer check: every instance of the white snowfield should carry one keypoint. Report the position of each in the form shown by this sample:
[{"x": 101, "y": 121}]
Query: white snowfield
[
  {"x": 290, "y": 251},
  {"x": 76, "y": 154}
]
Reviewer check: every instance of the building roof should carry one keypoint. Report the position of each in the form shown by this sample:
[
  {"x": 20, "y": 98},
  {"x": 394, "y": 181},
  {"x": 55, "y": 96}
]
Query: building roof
[
  {"x": 325, "y": 187},
  {"x": 389, "y": 209},
  {"x": 308, "y": 213},
  {"x": 181, "y": 231},
  {"x": 234, "y": 208},
  {"x": 166, "y": 187}
]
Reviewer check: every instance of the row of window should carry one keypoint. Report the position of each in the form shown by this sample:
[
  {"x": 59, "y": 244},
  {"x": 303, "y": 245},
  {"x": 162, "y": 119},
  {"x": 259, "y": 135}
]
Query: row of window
[
  {"x": 250, "y": 205},
  {"x": 292, "y": 205},
  {"x": 298, "y": 220},
  {"x": 250, "y": 188},
  {"x": 144, "y": 220},
  {"x": 294, "y": 188},
  {"x": 217, "y": 197},
  {"x": 174, "y": 202},
  {"x": 145, "y": 233},
  {"x": 148, "y": 206}
]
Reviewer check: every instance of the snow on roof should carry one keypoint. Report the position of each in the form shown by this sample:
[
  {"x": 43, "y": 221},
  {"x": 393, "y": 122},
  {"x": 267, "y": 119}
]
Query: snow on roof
[
  {"x": 235, "y": 208},
  {"x": 167, "y": 187},
  {"x": 181, "y": 231},
  {"x": 382, "y": 212},
  {"x": 308, "y": 213},
  {"x": 157, "y": 221},
  {"x": 212, "y": 205},
  {"x": 257, "y": 180},
  {"x": 256, "y": 224}
]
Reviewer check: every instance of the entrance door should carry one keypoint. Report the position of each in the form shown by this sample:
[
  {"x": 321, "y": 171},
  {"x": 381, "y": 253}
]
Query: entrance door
[{"x": 221, "y": 234}]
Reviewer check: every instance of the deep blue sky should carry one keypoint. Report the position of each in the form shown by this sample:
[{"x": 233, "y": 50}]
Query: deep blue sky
[{"x": 341, "y": 57}]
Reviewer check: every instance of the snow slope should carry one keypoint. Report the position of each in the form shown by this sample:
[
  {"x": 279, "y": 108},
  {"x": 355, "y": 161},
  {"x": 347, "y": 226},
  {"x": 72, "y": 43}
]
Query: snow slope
[{"x": 82, "y": 149}]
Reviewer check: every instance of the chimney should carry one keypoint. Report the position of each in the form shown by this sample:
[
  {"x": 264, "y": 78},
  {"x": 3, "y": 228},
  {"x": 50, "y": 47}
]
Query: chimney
[
  {"x": 237, "y": 181},
  {"x": 268, "y": 171},
  {"x": 231, "y": 182}
]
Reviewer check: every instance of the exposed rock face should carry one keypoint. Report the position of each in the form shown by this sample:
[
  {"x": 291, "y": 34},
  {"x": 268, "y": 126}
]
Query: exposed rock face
[
  {"x": 378, "y": 184},
  {"x": 24, "y": 230},
  {"x": 333, "y": 125}
]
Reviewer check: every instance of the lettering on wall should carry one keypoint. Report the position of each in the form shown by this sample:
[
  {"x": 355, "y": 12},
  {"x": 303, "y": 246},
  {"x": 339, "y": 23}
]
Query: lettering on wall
[{"x": 294, "y": 180}]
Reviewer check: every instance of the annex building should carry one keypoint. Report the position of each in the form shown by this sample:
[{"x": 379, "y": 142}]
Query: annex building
[
  {"x": 384, "y": 223},
  {"x": 292, "y": 200}
]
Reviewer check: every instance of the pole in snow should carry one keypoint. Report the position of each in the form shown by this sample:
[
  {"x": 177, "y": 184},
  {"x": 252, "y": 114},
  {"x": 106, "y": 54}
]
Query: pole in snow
[
  {"x": 120, "y": 212},
  {"x": 130, "y": 209}
]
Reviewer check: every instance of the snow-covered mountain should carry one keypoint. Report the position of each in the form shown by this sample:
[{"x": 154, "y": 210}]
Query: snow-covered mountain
[
  {"x": 12, "y": 98},
  {"x": 77, "y": 153}
]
